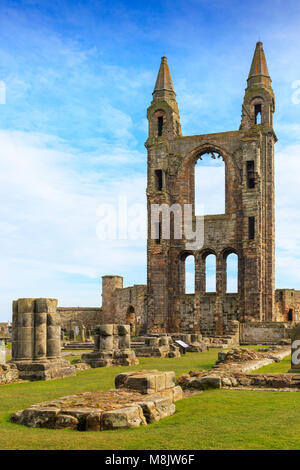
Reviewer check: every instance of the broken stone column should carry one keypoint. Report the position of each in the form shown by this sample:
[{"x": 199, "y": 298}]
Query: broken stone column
[
  {"x": 25, "y": 335},
  {"x": 36, "y": 340},
  {"x": 53, "y": 330},
  {"x": 82, "y": 333},
  {"x": 111, "y": 347},
  {"x": 40, "y": 351}
]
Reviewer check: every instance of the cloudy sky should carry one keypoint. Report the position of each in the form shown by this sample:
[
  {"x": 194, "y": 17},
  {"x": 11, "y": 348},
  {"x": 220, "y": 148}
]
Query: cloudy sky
[{"x": 76, "y": 78}]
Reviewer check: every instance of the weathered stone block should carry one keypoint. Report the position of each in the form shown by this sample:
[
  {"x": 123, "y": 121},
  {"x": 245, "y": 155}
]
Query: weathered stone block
[
  {"x": 123, "y": 418},
  {"x": 64, "y": 421},
  {"x": 123, "y": 330},
  {"x": 177, "y": 393},
  {"x": 107, "y": 343},
  {"x": 93, "y": 421},
  {"x": 207, "y": 382},
  {"x": 150, "y": 411},
  {"x": 170, "y": 379},
  {"x": 106, "y": 330},
  {"x": 160, "y": 382},
  {"x": 164, "y": 407},
  {"x": 124, "y": 341},
  {"x": 143, "y": 384},
  {"x": 38, "y": 417}
]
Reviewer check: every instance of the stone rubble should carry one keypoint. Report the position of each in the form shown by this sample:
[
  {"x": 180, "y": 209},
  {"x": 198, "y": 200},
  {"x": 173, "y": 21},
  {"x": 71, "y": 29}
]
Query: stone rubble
[{"x": 233, "y": 370}]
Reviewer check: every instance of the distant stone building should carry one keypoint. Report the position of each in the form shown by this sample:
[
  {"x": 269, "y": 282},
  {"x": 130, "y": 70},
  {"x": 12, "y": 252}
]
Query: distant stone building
[
  {"x": 124, "y": 305},
  {"x": 287, "y": 305}
]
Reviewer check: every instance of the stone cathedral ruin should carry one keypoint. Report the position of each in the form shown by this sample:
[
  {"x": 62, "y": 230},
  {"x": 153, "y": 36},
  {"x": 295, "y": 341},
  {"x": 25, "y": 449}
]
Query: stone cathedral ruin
[
  {"x": 162, "y": 319},
  {"x": 247, "y": 228},
  {"x": 256, "y": 312}
]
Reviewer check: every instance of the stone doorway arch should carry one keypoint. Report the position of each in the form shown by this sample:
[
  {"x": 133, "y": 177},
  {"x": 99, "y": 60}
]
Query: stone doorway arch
[{"x": 131, "y": 319}]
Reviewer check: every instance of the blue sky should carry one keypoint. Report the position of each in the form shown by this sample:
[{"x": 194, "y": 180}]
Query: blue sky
[{"x": 79, "y": 76}]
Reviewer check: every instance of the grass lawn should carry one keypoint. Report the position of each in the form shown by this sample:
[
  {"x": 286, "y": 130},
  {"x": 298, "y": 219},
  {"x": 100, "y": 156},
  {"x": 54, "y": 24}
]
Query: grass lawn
[
  {"x": 276, "y": 367},
  {"x": 217, "y": 419}
]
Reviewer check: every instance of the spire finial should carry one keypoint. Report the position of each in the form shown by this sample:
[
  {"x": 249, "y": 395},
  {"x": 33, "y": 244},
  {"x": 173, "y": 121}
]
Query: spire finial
[
  {"x": 164, "y": 86},
  {"x": 259, "y": 73}
]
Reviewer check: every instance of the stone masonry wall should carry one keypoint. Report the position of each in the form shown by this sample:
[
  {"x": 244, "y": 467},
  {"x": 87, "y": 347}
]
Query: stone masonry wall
[
  {"x": 264, "y": 333},
  {"x": 124, "y": 305},
  {"x": 89, "y": 317},
  {"x": 287, "y": 305},
  {"x": 249, "y": 199}
]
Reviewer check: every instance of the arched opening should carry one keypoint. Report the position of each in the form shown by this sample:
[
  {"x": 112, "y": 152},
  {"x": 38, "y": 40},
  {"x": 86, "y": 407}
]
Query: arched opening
[
  {"x": 190, "y": 274},
  {"x": 257, "y": 113},
  {"x": 209, "y": 184},
  {"x": 130, "y": 319},
  {"x": 210, "y": 273},
  {"x": 290, "y": 315},
  {"x": 232, "y": 273},
  {"x": 158, "y": 123}
]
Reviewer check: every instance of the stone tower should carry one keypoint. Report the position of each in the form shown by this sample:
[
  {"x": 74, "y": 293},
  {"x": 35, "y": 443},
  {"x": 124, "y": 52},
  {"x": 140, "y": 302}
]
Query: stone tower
[{"x": 246, "y": 228}]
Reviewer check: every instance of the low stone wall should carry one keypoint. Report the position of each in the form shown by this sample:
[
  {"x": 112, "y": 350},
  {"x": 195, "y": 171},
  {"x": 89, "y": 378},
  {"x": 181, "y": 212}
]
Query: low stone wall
[
  {"x": 233, "y": 367},
  {"x": 264, "y": 332},
  {"x": 141, "y": 398}
]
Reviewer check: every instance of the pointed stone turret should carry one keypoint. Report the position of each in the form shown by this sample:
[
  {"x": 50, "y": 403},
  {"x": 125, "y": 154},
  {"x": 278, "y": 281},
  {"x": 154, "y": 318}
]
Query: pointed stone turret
[
  {"x": 259, "y": 73},
  {"x": 164, "y": 88},
  {"x": 163, "y": 114},
  {"x": 259, "y": 100}
]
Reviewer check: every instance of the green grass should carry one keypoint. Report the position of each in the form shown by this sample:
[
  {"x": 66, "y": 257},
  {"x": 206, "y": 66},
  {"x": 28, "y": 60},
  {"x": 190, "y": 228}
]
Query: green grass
[
  {"x": 217, "y": 419},
  {"x": 281, "y": 367}
]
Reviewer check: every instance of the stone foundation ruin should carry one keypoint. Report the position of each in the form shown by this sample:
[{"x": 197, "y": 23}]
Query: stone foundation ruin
[
  {"x": 234, "y": 369},
  {"x": 140, "y": 398}
]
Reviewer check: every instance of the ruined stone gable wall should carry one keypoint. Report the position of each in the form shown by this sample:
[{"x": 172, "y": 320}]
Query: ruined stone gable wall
[
  {"x": 124, "y": 306},
  {"x": 223, "y": 234},
  {"x": 246, "y": 228},
  {"x": 130, "y": 307}
]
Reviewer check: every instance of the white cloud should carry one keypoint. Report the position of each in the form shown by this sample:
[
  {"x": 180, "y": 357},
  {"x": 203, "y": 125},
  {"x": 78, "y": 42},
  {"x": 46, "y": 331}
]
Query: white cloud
[
  {"x": 49, "y": 218},
  {"x": 287, "y": 178}
]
